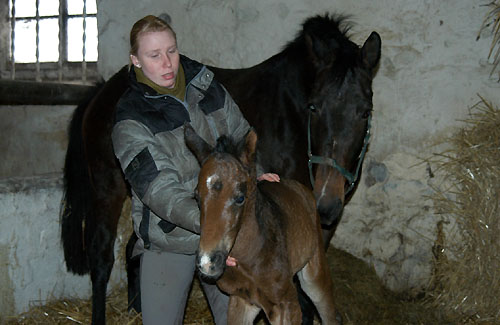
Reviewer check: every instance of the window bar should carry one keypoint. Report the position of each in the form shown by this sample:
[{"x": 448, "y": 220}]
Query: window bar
[
  {"x": 12, "y": 38},
  {"x": 63, "y": 9},
  {"x": 37, "y": 51},
  {"x": 60, "y": 48},
  {"x": 84, "y": 62}
]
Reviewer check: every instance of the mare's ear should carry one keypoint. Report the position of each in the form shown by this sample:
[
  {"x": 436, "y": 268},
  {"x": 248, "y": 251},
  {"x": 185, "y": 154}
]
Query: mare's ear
[
  {"x": 370, "y": 52},
  {"x": 247, "y": 156},
  {"x": 199, "y": 147}
]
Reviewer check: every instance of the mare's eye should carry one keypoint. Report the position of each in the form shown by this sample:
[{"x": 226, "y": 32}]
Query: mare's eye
[
  {"x": 239, "y": 199},
  {"x": 312, "y": 107},
  {"x": 367, "y": 113}
]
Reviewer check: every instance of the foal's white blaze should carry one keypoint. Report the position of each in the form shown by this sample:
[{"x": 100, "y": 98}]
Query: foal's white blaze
[
  {"x": 211, "y": 179},
  {"x": 205, "y": 263}
]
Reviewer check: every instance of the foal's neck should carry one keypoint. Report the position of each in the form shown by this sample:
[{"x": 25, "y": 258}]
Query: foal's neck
[{"x": 260, "y": 225}]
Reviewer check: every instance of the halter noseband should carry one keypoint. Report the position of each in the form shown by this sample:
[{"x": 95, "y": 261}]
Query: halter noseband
[{"x": 332, "y": 162}]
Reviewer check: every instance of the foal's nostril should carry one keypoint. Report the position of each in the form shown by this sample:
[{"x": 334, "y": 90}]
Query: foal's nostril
[
  {"x": 211, "y": 265},
  {"x": 218, "y": 259}
]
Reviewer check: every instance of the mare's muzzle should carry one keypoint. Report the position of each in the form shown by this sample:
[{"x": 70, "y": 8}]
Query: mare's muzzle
[{"x": 330, "y": 213}]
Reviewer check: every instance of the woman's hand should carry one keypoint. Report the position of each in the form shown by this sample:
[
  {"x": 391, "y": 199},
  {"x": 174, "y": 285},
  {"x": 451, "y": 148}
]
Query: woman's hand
[
  {"x": 270, "y": 177},
  {"x": 231, "y": 261}
]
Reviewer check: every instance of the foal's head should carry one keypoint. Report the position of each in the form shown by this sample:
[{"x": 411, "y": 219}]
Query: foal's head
[{"x": 225, "y": 184}]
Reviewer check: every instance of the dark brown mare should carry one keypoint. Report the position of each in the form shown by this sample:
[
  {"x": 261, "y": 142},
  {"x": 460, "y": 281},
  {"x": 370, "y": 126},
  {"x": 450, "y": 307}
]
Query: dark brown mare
[
  {"x": 272, "y": 229},
  {"x": 318, "y": 88}
]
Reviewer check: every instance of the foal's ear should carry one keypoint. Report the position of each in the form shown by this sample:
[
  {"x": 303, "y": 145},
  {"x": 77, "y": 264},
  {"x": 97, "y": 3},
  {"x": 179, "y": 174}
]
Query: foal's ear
[
  {"x": 370, "y": 52},
  {"x": 199, "y": 147},
  {"x": 247, "y": 156}
]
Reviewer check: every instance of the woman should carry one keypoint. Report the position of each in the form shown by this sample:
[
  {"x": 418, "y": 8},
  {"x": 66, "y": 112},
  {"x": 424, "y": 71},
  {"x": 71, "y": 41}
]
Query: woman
[{"x": 166, "y": 90}]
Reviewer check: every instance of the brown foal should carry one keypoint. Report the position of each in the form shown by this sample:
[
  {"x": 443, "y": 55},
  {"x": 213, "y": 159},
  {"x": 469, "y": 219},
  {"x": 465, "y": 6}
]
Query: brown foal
[{"x": 272, "y": 229}]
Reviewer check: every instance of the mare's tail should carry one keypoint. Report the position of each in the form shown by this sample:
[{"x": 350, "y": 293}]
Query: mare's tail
[{"x": 76, "y": 205}]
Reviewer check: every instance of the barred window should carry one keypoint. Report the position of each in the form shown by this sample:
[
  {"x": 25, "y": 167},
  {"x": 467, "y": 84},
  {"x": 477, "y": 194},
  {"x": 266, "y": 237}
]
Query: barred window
[{"x": 51, "y": 40}]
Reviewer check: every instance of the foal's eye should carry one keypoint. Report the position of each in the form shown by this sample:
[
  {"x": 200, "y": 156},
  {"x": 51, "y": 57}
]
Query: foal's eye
[{"x": 239, "y": 199}]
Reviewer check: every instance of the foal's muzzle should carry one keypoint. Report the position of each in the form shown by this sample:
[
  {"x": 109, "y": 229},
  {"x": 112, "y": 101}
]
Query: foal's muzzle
[{"x": 211, "y": 265}]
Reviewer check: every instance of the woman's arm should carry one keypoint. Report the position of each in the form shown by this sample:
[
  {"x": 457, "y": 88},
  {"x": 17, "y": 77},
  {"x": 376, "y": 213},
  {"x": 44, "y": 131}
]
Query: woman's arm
[{"x": 153, "y": 175}]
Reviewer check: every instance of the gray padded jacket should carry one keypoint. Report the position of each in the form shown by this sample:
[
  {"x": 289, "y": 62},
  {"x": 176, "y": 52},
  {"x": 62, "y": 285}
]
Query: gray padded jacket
[{"x": 148, "y": 140}]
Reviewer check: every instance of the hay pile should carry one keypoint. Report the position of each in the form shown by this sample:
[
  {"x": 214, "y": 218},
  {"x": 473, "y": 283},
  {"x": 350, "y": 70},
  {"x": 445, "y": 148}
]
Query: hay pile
[{"x": 467, "y": 266}]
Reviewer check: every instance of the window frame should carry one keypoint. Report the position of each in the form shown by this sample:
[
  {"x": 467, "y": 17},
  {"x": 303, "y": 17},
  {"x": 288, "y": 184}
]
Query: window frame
[{"x": 62, "y": 71}]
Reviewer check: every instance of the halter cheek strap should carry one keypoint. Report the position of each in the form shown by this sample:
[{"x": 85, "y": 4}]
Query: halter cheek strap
[{"x": 332, "y": 162}]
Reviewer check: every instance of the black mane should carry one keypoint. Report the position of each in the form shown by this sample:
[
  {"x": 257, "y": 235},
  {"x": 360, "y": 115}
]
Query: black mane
[
  {"x": 227, "y": 144},
  {"x": 328, "y": 27},
  {"x": 330, "y": 41}
]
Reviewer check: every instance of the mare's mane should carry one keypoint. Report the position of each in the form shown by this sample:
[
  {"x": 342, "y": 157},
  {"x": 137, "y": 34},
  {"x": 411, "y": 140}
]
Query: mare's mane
[
  {"x": 326, "y": 27},
  {"x": 329, "y": 39}
]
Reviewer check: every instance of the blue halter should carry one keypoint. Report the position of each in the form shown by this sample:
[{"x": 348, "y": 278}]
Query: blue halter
[{"x": 332, "y": 162}]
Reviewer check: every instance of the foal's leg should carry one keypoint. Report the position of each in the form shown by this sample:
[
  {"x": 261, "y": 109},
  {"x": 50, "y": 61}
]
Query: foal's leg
[
  {"x": 317, "y": 283},
  {"x": 306, "y": 306},
  {"x": 286, "y": 313},
  {"x": 240, "y": 312}
]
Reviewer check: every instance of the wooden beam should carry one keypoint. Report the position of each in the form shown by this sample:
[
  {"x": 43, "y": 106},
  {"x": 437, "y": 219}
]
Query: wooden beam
[{"x": 17, "y": 92}]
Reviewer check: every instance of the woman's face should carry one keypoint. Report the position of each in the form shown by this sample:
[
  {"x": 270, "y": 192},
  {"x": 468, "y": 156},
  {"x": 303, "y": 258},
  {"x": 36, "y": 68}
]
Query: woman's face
[{"x": 158, "y": 57}]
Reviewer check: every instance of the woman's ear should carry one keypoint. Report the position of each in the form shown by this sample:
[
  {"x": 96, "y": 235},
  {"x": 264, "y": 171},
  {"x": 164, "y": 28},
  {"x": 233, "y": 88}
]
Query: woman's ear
[{"x": 135, "y": 60}]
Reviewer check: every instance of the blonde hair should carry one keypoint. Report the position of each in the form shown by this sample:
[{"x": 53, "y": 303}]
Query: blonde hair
[{"x": 147, "y": 24}]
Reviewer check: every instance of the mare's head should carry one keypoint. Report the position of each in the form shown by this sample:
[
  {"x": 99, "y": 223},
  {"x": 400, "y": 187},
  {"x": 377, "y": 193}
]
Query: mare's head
[
  {"x": 226, "y": 183},
  {"x": 340, "y": 104}
]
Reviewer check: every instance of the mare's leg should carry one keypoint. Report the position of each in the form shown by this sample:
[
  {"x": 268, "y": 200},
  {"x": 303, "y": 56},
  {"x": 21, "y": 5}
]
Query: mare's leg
[
  {"x": 133, "y": 280},
  {"x": 317, "y": 283},
  {"x": 101, "y": 259},
  {"x": 100, "y": 233},
  {"x": 241, "y": 312}
]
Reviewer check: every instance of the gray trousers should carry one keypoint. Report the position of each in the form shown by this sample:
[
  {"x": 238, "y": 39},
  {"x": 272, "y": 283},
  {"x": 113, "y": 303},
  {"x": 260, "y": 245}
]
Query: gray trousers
[{"x": 165, "y": 282}]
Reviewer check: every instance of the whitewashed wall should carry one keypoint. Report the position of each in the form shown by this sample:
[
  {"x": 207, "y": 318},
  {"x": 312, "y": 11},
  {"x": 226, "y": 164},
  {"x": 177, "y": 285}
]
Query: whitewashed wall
[
  {"x": 431, "y": 70},
  {"x": 32, "y": 268},
  {"x": 34, "y": 139}
]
